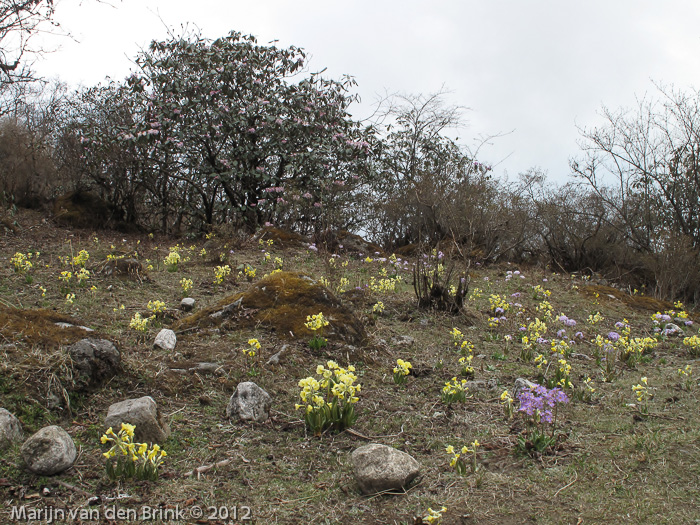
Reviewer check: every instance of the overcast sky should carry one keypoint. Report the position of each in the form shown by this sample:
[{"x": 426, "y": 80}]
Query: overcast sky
[{"x": 530, "y": 70}]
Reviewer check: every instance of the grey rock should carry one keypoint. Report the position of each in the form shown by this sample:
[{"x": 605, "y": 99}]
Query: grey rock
[
  {"x": 378, "y": 468},
  {"x": 249, "y": 402},
  {"x": 672, "y": 329},
  {"x": 482, "y": 386},
  {"x": 166, "y": 339},
  {"x": 151, "y": 426},
  {"x": 522, "y": 385},
  {"x": 10, "y": 428},
  {"x": 187, "y": 304},
  {"x": 49, "y": 451},
  {"x": 95, "y": 361}
]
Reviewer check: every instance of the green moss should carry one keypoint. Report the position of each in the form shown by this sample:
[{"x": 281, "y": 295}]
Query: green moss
[{"x": 281, "y": 302}]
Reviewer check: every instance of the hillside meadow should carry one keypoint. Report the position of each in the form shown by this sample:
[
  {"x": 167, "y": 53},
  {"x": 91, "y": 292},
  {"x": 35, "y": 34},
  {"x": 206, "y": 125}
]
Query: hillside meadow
[{"x": 623, "y": 445}]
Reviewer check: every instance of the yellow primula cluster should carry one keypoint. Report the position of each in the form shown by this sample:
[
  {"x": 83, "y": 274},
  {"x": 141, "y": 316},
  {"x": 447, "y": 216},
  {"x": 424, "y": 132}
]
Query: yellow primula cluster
[
  {"x": 383, "y": 285},
  {"x": 498, "y": 301},
  {"x": 316, "y": 322},
  {"x": 693, "y": 344},
  {"x": 454, "y": 390},
  {"x": 21, "y": 262},
  {"x": 172, "y": 260},
  {"x": 186, "y": 284},
  {"x": 253, "y": 347},
  {"x": 139, "y": 323},
  {"x": 81, "y": 259},
  {"x": 401, "y": 371},
  {"x": 643, "y": 394},
  {"x": 133, "y": 459},
  {"x": 328, "y": 400},
  {"x": 434, "y": 516},
  {"x": 221, "y": 272},
  {"x": 595, "y": 318},
  {"x": 156, "y": 307}
]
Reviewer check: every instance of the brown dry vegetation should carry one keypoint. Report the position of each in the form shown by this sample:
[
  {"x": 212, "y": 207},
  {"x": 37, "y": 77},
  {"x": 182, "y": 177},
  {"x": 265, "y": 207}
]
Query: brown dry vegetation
[{"x": 613, "y": 464}]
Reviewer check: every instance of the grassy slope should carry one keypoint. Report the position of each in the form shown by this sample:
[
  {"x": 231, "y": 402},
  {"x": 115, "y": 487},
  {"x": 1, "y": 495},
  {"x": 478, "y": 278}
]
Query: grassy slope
[{"x": 613, "y": 466}]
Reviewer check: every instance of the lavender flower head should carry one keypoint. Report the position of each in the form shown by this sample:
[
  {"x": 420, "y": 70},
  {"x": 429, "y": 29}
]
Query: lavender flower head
[{"x": 613, "y": 336}]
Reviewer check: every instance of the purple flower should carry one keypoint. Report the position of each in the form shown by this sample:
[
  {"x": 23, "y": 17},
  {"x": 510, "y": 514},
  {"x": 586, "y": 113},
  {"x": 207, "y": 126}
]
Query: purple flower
[
  {"x": 613, "y": 336},
  {"x": 579, "y": 335},
  {"x": 561, "y": 333},
  {"x": 563, "y": 318},
  {"x": 620, "y": 324},
  {"x": 689, "y": 323},
  {"x": 570, "y": 322},
  {"x": 516, "y": 294}
]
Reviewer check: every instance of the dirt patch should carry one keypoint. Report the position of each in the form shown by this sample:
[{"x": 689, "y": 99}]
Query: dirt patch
[{"x": 282, "y": 302}]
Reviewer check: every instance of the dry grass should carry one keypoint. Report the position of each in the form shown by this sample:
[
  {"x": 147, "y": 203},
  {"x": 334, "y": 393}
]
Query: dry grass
[{"x": 614, "y": 464}]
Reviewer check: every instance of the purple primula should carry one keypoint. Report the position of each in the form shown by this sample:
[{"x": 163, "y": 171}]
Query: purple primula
[
  {"x": 561, "y": 333},
  {"x": 613, "y": 336},
  {"x": 539, "y": 402}
]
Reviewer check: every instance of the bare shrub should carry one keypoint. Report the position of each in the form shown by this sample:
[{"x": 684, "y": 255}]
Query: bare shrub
[{"x": 440, "y": 288}]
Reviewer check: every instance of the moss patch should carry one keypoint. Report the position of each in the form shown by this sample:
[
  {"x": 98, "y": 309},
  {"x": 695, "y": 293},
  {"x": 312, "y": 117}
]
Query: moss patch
[
  {"x": 39, "y": 327},
  {"x": 640, "y": 302},
  {"x": 281, "y": 302},
  {"x": 282, "y": 238}
]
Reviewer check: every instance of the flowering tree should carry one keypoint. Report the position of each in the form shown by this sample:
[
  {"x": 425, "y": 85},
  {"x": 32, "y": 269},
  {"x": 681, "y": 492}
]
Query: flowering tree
[{"x": 226, "y": 124}]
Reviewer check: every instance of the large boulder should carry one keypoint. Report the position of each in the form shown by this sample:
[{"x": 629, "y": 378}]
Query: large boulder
[
  {"x": 10, "y": 429},
  {"x": 95, "y": 360},
  {"x": 281, "y": 301},
  {"x": 378, "y": 468},
  {"x": 49, "y": 451},
  {"x": 249, "y": 402},
  {"x": 151, "y": 426}
]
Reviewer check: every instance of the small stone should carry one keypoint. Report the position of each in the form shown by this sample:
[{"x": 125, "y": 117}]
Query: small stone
[
  {"x": 10, "y": 428},
  {"x": 68, "y": 325},
  {"x": 151, "y": 427},
  {"x": 403, "y": 340},
  {"x": 379, "y": 468},
  {"x": 522, "y": 384},
  {"x": 481, "y": 385},
  {"x": 275, "y": 359},
  {"x": 166, "y": 339},
  {"x": 187, "y": 304},
  {"x": 249, "y": 402},
  {"x": 206, "y": 368},
  {"x": 95, "y": 360},
  {"x": 49, "y": 451}
]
